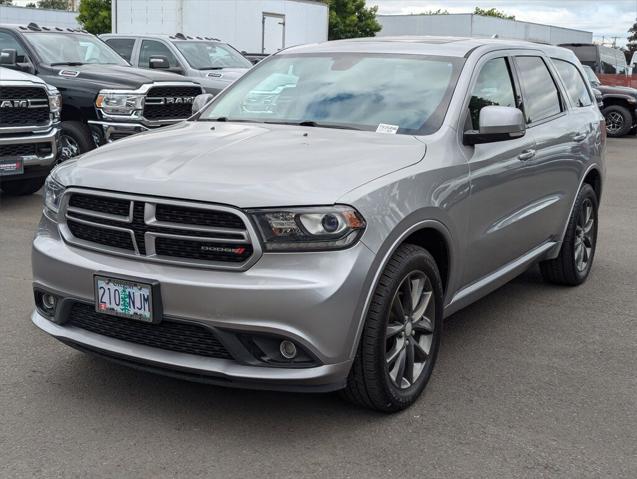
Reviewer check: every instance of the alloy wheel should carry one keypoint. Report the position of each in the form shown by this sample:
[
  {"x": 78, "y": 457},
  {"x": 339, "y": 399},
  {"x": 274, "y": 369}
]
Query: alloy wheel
[
  {"x": 584, "y": 236},
  {"x": 68, "y": 147},
  {"x": 614, "y": 122},
  {"x": 409, "y": 333}
]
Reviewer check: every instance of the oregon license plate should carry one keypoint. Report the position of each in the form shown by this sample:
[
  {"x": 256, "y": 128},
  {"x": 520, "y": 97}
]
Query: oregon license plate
[{"x": 125, "y": 298}]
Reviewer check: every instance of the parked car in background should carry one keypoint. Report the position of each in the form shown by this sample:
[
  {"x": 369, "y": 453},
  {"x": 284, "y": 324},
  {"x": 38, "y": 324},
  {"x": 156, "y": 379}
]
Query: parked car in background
[
  {"x": 104, "y": 98},
  {"x": 316, "y": 241},
  {"x": 620, "y": 106},
  {"x": 29, "y": 128},
  {"x": 208, "y": 61},
  {"x": 609, "y": 64}
]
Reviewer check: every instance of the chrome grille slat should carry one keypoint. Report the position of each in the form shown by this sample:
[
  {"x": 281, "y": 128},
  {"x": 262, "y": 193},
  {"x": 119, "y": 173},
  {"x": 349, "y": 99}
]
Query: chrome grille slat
[{"x": 183, "y": 242}]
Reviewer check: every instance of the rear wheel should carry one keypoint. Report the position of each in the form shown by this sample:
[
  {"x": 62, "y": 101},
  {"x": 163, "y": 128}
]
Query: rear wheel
[
  {"x": 401, "y": 337},
  {"x": 22, "y": 187},
  {"x": 575, "y": 260},
  {"x": 75, "y": 139},
  {"x": 619, "y": 121}
]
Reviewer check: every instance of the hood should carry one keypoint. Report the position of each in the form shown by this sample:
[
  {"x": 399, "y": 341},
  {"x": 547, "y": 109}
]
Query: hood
[
  {"x": 624, "y": 90},
  {"x": 113, "y": 76},
  {"x": 242, "y": 164},
  {"x": 8, "y": 74}
]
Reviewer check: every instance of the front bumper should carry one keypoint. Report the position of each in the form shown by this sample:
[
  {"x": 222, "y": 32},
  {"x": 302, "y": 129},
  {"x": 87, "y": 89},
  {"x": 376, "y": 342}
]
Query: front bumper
[
  {"x": 34, "y": 165},
  {"x": 313, "y": 299}
]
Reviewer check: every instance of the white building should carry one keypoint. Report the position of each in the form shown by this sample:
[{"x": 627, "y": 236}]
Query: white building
[
  {"x": 24, "y": 16},
  {"x": 470, "y": 25},
  {"x": 255, "y": 26}
]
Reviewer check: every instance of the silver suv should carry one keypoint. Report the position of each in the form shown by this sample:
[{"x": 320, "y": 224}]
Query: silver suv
[
  {"x": 310, "y": 228},
  {"x": 205, "y": 60}
]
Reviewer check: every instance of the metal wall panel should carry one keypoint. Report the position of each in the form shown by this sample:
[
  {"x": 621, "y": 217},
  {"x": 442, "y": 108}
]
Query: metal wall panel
[{"x": 49, "y": 18}]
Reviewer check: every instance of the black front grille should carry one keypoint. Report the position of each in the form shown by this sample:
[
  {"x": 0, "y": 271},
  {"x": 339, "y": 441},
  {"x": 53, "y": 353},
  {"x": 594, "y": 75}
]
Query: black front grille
[
  {"x": 169, "y": 335},
  {"x": 22, "y": 116},
  {"x": 177, "y": 102},
  {"x": 107, "y": 231},
  {"x": 101, "y": 204},
  {"x": 17, "y": 150}
]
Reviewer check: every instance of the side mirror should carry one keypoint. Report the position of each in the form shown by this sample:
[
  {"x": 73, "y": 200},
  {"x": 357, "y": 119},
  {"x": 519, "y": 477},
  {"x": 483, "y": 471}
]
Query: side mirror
[
  {"x": 599, "y": 98},
  {"x": 8, "y": 57},
  {"x": 200, "y": 101},
  {"x": 497, "y": 123},
  {"x": 158, "y": 62}
]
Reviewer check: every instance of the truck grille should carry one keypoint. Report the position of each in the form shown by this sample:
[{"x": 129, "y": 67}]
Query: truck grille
[
  {"x": 23, "y": 106},
  {"x": 196, "y": 234},
  {"x": 176, "y": 336},
  {"x": 170, "y": 102},
  {"x": 26, "y": 149}
]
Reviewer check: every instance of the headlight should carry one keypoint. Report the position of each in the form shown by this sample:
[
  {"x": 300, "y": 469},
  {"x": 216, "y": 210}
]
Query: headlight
[
  {"x": 53, "y": 191},
  {"x": 309, "y": 229},
  {"x": 118, "y": 103},
  {"x": 55, "y": 100}
]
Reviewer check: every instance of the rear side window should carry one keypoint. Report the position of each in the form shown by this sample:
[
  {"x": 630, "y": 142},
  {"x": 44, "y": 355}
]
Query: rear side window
[
  {"x": 493, "y": 87},
  {"x": 575, "y": 85},
  {"x": 541, "y": 97},
  {"x": 123, "y": 46},
  {"x": 152, "y": 48}
]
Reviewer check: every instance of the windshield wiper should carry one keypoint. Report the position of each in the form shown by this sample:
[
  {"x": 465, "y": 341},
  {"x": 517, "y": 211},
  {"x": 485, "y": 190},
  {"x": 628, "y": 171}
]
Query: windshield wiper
[
  {"x": 68, "y": 64},
  {"x": 211, "y": 68},
  {"x": 313, "y": 124}
]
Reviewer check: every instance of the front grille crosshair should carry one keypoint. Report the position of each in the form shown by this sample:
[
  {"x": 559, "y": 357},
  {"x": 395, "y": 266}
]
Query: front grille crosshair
[
  {"x": 190, "y": 338},
  {"x": 176, "y": 231},
  {"x": 170, "y": 102},
  {"x": 18, "y": 115}
]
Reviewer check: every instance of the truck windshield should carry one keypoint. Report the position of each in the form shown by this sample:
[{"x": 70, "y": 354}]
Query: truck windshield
[
  {"x": 405, "y": 94},
  {"x": 211, "y": 55},
  {"x": 72, "y": 48}
]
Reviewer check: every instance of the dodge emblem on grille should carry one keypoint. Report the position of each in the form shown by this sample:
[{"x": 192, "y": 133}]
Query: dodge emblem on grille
[
  {"x": 170, "y": 100},
  {"x": 23, "y": 103}
]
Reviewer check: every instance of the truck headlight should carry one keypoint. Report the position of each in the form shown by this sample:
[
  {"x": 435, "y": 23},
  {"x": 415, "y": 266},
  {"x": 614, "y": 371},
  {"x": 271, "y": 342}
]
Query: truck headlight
[
  {"x": 53, "y": 191},
  {"x": 309, "y": 229},
  {"x": 119, "y": 103},
  {"x": 55, "y": 103}
]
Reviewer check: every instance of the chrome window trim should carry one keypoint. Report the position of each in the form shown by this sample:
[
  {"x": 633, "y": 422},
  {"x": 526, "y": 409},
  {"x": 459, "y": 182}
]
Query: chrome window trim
[{"x": 251, "y": 236}]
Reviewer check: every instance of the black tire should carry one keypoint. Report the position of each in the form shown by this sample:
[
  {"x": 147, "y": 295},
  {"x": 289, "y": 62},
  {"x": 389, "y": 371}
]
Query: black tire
[
  {"x": 22, "y": 187},
  {"x": 75, "y": 139},
  {"x": 369, "y": 383},
  {"x": 619, "y": 120},
  {"x": 633, "y": 131},
  {"x": 564, "y": 269}
]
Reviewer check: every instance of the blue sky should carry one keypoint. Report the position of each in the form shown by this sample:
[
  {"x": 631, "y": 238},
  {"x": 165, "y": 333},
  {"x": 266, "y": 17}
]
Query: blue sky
[{"x": 609, "y": 18}]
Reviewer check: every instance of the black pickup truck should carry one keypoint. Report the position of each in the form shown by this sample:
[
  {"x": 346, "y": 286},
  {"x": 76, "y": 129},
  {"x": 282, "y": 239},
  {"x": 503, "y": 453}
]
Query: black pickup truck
[{"x": 104, "y": 98}]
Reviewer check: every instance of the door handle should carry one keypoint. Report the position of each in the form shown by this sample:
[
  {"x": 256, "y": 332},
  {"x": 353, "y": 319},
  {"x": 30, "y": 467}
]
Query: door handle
[
  {"x": 580, "y": 136},
  {"x": 526, "y": 155}
]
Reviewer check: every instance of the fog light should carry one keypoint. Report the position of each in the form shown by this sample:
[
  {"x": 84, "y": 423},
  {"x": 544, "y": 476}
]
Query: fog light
[
  {"x": 48, "y": 302},
  {"x": 287, "y": 349}
]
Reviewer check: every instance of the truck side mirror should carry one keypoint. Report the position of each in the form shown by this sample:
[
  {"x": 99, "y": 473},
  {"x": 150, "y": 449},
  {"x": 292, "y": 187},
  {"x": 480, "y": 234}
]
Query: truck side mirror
[
  {"x": 158, "y": 62},
  {"x": 200, "y": 101},
  {"x": 8, "y": 57}
]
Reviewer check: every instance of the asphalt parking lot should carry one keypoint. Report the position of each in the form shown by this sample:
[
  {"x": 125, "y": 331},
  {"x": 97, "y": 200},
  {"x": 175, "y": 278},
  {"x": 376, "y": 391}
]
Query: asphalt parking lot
[{"x": 532, "y": 381}]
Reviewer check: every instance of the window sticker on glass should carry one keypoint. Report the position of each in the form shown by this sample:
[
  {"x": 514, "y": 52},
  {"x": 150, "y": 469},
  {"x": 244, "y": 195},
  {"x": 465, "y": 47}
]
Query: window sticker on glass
[{"x": 387, "y": 129}]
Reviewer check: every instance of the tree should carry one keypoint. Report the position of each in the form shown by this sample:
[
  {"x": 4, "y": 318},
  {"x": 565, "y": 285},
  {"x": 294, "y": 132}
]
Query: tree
[
  {"x": 492, "y": 12},
  {"x": 54, "y": 4},
  {"x": 631, "y": 47},
  {"x": 6, "y": 2},
  {"x": 31, "y": 5},
  {"x": 433, "y": 12},
  {"x": 95, "y": 16},
  {"x": 351, "y": 19}
]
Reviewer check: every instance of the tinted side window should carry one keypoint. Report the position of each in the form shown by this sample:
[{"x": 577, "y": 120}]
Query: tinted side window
[
  {"x": 151, "y": 48},
  {"x": 123, "y": 46},
  {"x": 575, "y": 86},
  {"x": 493, "y": 87},
  {"x": 8, "y": 41},
  {"x": 541, "y": 98}
]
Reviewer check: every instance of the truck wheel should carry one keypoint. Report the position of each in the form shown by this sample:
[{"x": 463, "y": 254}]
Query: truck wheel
[
  {"x": 22, "y": 187},
  {"x": 75, "y": 139},
  {"x": 575, "y": 260},
  {"x": 619, "y": 121},
  {"x": 401, "y": 337}
]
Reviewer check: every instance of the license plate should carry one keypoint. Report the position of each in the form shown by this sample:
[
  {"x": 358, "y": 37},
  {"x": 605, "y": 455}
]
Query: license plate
[
  {"x": 11, "y": 167},
  {"x": 127, "y": 298}
]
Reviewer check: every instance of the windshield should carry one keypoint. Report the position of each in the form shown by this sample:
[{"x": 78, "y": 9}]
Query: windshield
[
  {"x": 72, "y": 48},
  {"x": 211, "y": 55},
  {"x": 406, "y": 94}
]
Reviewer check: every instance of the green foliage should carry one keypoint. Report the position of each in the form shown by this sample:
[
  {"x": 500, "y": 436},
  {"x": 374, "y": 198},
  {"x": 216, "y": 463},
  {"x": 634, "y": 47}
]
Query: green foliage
[
  {"x": 54, "y": 4},
  {"x": 440, "y": 11},
  {"x": 6, "y": 2},
  {"x": 31, "y": 5},
  {"x": 631, "y": 47},
  {"x": 95, "y": 16},
  {"x": 351, "y": 19},
  {"x": 492, "y": 12}
]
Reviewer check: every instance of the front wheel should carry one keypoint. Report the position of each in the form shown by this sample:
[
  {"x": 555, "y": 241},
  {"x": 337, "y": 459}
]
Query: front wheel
[
  {"x": 575, "y": 260},
  {"x": 401, "y": 336},
  {"x": 75, "y": 139},
  {"x": 619, "y": 120}
]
